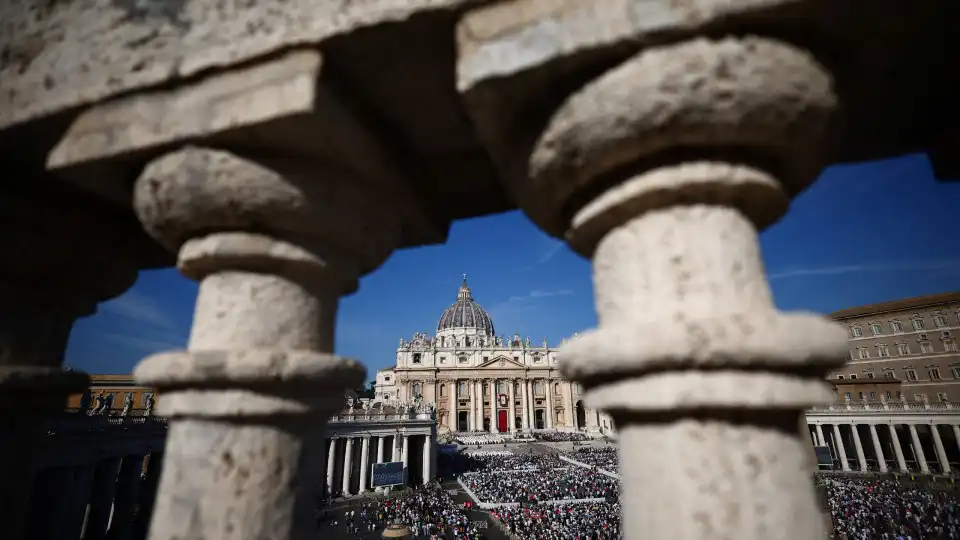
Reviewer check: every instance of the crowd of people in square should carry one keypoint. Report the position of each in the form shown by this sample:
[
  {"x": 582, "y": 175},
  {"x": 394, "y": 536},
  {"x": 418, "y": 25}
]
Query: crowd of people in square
[
  {"x": 560, "y": 436},
  {"x": 873, "y": 509},
  {"x": 528, "y": 486},
  {"x": 428, "y": 511},
  {"x": 602, "y": 457},
  {"x": 480, "y": 439},
  {"x": 583, "y": 521}
]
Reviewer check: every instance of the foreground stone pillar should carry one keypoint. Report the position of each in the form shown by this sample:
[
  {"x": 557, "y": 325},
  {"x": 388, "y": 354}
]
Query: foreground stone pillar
[
  {"x": 662, "y": 170},
  {"x": 63, "y": 253},
  {"x": 274, "y": 244}
]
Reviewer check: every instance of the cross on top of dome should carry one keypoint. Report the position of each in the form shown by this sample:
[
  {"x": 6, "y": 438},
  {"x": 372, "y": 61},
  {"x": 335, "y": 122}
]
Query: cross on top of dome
[{"x": 464, "y": 292}]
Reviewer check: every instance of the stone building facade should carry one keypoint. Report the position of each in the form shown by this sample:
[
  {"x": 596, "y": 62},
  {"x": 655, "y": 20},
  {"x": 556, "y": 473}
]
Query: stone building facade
[
  {"x": 276, "y": 152},
  {"x": 118, "y": 390},
  {"x": 479, "y": 381},
  {"x": 913, "y": 340}
]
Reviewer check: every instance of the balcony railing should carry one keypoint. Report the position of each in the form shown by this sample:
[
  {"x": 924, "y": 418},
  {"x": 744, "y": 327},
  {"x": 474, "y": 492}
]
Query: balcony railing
[{"x": 899, "y": 406}]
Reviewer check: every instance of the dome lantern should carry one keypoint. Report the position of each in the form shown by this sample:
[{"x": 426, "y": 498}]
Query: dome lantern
[{"x": 465, "y": 316}]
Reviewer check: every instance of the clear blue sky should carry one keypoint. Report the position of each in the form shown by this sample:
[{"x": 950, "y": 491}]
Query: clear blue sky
[{"x": 863, "y": 233}]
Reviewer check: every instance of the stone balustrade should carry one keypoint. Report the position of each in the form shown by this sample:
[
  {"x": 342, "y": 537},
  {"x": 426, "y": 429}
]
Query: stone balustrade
[{"x": 276, "y": 152}]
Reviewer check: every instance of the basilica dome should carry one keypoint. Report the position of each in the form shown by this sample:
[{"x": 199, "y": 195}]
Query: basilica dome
[{"x": 466, "y": 314}]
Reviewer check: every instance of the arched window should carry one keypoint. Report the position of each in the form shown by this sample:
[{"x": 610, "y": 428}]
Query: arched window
[
  {"x": 416, "y": 389},
  {"x": 443, "y": 390},
  {"x": 466, "y": 341},
  {"x": 516, "y": 388},
  {"x": 556, "y": 388}
]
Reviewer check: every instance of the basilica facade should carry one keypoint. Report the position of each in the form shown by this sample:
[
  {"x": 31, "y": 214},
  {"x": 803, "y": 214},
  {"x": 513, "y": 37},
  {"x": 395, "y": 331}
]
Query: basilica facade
[{"x": 479, "y": 381}]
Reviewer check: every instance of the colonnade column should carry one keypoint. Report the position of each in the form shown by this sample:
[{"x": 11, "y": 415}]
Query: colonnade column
[
  {"x": 452, "y": 416},
  {"x": 531, "y": 421},
  {"x": 427, "y": 459},
  {"x": 877, "y": 448},
  {"x": 897, "y": 449},
  {"x": 494, "y": 428},
  {"x": 125, "y": 498},
  {"x": 512, "y": 408},
  {"x": 918, "y": 449},
  {"x": 381, "y": 440},
  {"x": 405, "y": 455},
  {"x": 838, "y": 442},
  {"x": 571, "y": 416},
  {"x": 347, "y": 466},
  {"x": 274, "y": 243},
  {"x": 477, "y": 405},
  {"x": 821, "y": 440},
  {"x": 861, "y": 458},
  {"x": 956, "y": 435},
  {"x": 331, "y": 465},
  {"x": 101, "y": 503},
  {"x": 941, "y": 451},
  {"x": 524, "y": 419},
  {"x": 364, "y": 460}
]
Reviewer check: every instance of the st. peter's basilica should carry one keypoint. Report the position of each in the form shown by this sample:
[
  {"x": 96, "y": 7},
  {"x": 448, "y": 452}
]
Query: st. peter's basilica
[{"x": 465, "y": 360}]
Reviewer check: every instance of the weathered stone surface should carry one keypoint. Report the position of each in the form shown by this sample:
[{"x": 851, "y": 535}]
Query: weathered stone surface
[{"x": 60, "y": 55}]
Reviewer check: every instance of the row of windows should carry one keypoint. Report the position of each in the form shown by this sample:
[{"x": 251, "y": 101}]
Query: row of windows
[
  {"x": 464, "y": 359},
  {"x": 903, "y": 349},
  {"x": 910, "y": 375},
  {"x": 502, "y": 388},
  {"x": 919, "y": 398},
  {"x": 896, "y": 326}
]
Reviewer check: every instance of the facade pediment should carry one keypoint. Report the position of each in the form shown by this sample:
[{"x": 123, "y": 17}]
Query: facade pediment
[{"x": 501, "y": 362}]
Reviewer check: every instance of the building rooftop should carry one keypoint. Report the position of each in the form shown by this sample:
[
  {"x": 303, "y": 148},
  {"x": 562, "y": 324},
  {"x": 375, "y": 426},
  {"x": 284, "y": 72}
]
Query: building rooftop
[{"x": 897, "y": 305}]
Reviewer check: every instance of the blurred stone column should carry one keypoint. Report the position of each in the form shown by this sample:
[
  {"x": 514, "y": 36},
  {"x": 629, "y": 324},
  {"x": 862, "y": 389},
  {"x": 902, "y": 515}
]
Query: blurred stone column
[
  {"x": 661, "y": 165},
  {"x": 126, "y": 497},
  {"x": 101, "y": 502},
  {"x": 148, "y": 496},
  {"x": 62, "y": 254},
  {"x": 274, "y": 244}
]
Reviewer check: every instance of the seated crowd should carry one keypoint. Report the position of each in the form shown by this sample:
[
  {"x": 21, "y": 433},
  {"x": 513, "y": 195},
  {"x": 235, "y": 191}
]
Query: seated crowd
[
  {"x": 512, "y": 462},
  {"x": 888, "y": 510},
  {"x": 427, "y": 510},
  {"x": 480, "y": 438},
  {"x": 528, "y": 486},
  {"x": 560, "y": 436},
  {"x": 584, "y": 521},
  {"x": 602, "y": 457}
]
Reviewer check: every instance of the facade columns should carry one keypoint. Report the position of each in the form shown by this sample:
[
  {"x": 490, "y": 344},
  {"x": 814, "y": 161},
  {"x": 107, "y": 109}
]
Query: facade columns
[
  {"x": 941, "y": 451},
  {"x": 877, "y": 448},
  {"x": 531, "y": 417},
  {"x": 380, "y": 444},
  {"x": 148, "y": 495},
  {"x": 75, "y": 500},
  {"x": 571, "y": 415},
  {"x": 405, "y": 455},
  {"x": 331, "y": 466},
  {"x": 897, "y": 449},
  {"x": 364, "y": 460},
  {"x": 524, "y": 405},
  {"x": 838, "y": 441},
  {"x": 453, "y": 417},
  {"x": 918, "y": 449},
  {"x": 861, "y": 458},
  {"x": 549, "y": 393},
  {"x": 512, "y": 424},
  {"x": 956, "y": 435},
  {"x": 494, "y": 428},
  {"x": 347, "y": 466},
  {"x": 821, "y": 440}
]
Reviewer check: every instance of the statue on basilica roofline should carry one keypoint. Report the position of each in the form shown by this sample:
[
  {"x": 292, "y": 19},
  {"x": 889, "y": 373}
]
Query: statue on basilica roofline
[
  {"x": 527, "y": 342},
  {"x": 545, "y": 345}
]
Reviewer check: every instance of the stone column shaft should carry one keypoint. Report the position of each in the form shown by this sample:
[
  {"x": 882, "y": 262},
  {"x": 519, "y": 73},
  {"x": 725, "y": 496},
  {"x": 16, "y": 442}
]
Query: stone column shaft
[
  {"x": 838, "y": 441},
  {"x": 877, "y": 448},
  {"x": 148, "y": 496},
  {"x": 821, "y": 440},
  {"x": 897, "y": 449},
  {"x": 956, "y": 435},
  {"x": 861, "y": 458},
  {"x": 941, "y": 451},
  {"x": 380, "y": 444},
  {"x": 125, "y": 498},
  {"x": 101, "y": 503},
  {"x": 453, "y": 417},
  {"x": 918, "y": 449},
  {"x": 364, "y": 463},
  {"x": 331, "y": 466},
  {"x": 493, "y": 406},
  {"x": 531, "y": 417},
  {"x": 571, "y": 415},
  {"x": 347, "y": 467},
  {"x": 405, "y": 456},
  {"x": 427, "y": 459},
  {"x": 524, "y": 406},
  {"x": 512, "y": 406},
  {"x": 549, "y": 389}
]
